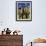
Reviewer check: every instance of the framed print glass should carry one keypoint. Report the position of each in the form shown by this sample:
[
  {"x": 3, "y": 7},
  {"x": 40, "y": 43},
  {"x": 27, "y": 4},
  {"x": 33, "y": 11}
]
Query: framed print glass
[{"x": 23, "y": 10}]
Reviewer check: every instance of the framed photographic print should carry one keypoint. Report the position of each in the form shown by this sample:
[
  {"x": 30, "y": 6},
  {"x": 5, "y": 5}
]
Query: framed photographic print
[{"x": 23, "y": 10}]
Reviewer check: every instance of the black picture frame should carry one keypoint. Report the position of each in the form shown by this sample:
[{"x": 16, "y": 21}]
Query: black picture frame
[{"x": 22, "y": 15}]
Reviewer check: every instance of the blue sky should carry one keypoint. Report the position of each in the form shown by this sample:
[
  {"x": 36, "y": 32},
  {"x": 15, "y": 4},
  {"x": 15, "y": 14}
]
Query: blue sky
[{"x": 24, "y": 4}]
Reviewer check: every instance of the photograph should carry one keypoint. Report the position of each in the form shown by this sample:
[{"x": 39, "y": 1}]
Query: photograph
[{"x": 24, "y": 10}]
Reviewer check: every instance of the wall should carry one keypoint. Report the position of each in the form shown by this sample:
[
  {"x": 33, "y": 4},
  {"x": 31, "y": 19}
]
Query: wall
[{"x": 31, "y": 30}]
